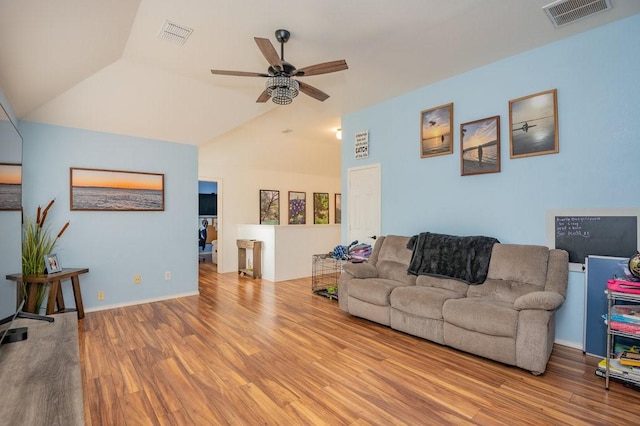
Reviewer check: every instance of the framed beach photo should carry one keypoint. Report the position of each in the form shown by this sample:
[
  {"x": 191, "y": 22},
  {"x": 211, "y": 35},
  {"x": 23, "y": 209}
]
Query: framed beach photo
[
  {"x": 337, "y": 207},
  {"x": 114, "y": 190},
  {"x": 297, "y": 208},
  {"x": 533, "y": 124},
  {"x": 52, "y": 263},
  {"x": 269, "y": 207},
  {"x": 480, "y": 146},
  {"x": 320, "y": 208},
  {"x": 10, "y": 186},
  {"x": 436, "y": 137}
]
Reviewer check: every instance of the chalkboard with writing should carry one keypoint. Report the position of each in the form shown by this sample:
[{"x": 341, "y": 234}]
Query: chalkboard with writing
[{"x": 582, "y": 236}]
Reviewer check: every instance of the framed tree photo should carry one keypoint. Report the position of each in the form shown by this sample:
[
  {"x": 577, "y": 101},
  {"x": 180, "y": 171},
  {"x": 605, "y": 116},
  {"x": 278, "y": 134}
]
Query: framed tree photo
[
  {"x": 337, "y": 206},
  {"x": 435, "y": 131},
  {"x": 533, "y": 124},
  {"x": 269, "y": 207},
  {"x": 320, "y": 207},
  {"x": 480, "y": 146},
  {"x": 297, "y": 208}
]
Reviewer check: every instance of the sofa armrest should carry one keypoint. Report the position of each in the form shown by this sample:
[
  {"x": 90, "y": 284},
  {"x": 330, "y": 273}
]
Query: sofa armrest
[
  {"x": 544, "y": 300},
  {"x": 351, "y": 271},
  {"x": 360, "y": 270}
]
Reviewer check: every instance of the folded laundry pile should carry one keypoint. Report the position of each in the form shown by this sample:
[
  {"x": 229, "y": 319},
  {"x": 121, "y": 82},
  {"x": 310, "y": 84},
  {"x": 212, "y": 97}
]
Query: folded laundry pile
[
  {"x": 353, "y": 252},
  {"x": 360, "y": 252}
]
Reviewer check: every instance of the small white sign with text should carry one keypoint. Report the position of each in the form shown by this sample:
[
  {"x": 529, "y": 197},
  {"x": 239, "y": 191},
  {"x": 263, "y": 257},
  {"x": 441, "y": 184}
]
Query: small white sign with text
[{"x": 362, "y": 144}]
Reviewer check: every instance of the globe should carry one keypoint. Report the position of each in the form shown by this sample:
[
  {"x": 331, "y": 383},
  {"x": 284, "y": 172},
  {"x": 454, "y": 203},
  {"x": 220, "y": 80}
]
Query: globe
[{"x": 634, "y": 265}]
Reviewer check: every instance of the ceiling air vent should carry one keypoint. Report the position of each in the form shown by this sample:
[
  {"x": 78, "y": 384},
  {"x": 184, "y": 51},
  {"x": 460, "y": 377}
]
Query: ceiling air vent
[
  {"x": 175, "y": 33},
  {"x": 563, "y": 12}
]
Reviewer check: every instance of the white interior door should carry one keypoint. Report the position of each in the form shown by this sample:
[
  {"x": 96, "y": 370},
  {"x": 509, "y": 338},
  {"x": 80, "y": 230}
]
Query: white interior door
[{"x": 363, "y": 203}]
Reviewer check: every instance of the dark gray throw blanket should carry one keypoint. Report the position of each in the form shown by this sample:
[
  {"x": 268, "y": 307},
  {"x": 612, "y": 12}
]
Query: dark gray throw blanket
[{"x": 461, "y": 258}]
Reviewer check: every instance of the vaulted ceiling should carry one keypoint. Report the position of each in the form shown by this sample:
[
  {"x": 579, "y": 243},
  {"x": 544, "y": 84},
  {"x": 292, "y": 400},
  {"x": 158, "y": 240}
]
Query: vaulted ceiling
[{"x": 100, "y": 64}]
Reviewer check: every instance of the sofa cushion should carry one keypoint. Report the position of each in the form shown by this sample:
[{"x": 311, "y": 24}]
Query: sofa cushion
[
  {"x": 360, "y": 270},
  {"x": 443, "y": 283},
  {"x": 482, "y": 315},
  {"x": 506, "y": 291},
  {"x": 372, "y": 290},
  {"x": 393, "y": 260},
  {"x": 425, "y": 302},
  {"x": 395, "y": 271},
  {"x": 394, "y": 248},
  {"x": 519, "y": 263}
]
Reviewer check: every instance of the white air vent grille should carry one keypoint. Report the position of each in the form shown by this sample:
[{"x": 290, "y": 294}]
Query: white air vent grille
[
  {"x": 175, "y": 33},
  {"x": 563, "y": 12}
]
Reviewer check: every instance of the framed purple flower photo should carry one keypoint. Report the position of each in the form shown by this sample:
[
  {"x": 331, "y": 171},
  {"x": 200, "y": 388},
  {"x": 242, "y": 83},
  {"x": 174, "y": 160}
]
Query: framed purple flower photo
[{"x": 297, "y": 208}]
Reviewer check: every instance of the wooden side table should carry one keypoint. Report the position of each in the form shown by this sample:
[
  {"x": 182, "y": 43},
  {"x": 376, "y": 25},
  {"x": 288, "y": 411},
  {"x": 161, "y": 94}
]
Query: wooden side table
[
  {"x": 256, "y": 250},
  {"x": 55, "y": 291}
]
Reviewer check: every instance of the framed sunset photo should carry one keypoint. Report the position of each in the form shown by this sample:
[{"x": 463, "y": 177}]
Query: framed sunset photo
[
  {"x": 114, "y": 190},
  {"x": 480, "y": 146},
  {"x": 436, "y": 137},
  {"x": 533, "y": 124},
  {"x": 10, "y": 186}
]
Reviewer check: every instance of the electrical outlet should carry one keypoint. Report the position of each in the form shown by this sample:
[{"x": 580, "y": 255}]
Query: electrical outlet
[
  {"x": 101, "y": 295},
  {"x": 167, "y": 275},
  {"x": 137, "y": 279}
]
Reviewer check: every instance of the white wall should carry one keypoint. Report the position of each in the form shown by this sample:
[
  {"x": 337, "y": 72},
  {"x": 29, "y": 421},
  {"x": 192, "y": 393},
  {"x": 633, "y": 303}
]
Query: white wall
[
  {"x": 596, "y": 75},
  {"x": 116, "y": 246},
  {"x": 243, "y": 169},
  {"x": 287, "y": 251}
]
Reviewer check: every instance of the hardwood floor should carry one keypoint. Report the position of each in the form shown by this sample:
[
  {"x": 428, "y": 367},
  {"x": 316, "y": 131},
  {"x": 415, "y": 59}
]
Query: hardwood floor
[{"x": 249, "y": 352}]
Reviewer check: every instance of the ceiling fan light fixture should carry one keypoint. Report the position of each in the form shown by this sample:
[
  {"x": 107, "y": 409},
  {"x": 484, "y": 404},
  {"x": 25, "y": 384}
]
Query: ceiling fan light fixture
[{"x": 282, "y": 89}]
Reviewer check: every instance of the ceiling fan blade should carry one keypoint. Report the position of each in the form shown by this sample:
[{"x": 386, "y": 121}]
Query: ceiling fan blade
[
  {"x": 312, "y": 91},
  {"x": 264, "y": 97},
  {"x": 269, "y": 52},
  {"x": 239, "y": 73},
  {"x": 323, "y": 68}
]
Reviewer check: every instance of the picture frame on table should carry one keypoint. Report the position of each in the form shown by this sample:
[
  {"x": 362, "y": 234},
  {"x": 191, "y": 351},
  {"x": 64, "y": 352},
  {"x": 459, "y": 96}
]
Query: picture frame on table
[
  {"x": 52, "y": 263},
  {"x": 533, "y": 125},
  {"x": 480, "y": 146},
  {"x": 436, "y": 136},
  {"x": 269, "y": 207}
]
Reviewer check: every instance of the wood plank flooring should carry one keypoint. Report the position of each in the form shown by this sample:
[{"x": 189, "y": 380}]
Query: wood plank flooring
[{"x": 248, "y": 352}]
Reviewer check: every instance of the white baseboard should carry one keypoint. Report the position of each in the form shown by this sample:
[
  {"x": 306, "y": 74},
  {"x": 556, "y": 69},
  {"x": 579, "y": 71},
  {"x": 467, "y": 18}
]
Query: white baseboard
[
  {"x": 575, "y": 345},
  {"x": 140, "y": 302}
]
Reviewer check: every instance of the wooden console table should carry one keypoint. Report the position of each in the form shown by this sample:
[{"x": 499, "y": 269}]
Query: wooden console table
[
  {"x": 55, "y": 291},
  {"x": 40, "y": 377},
  {"x": 256, "y": 250}
]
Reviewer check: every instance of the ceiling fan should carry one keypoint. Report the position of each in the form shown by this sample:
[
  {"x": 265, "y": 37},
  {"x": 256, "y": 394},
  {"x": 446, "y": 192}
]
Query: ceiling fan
[{"x": 280, "y": 85}]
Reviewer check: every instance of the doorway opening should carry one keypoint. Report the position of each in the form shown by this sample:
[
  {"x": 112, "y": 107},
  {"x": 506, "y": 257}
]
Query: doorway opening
[{"x": 208, "y": 223}]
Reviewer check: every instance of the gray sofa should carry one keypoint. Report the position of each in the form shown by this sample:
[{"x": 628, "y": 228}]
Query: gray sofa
[{"x": 509, "y": 318}]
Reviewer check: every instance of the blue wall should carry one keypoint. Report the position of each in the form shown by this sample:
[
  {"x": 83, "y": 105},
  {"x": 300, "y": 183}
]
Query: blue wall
[
  {"x": 10, "y": 230},
  {"x": 116, "y": 246},
  {"x": 596, "y": 75}
]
